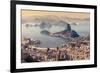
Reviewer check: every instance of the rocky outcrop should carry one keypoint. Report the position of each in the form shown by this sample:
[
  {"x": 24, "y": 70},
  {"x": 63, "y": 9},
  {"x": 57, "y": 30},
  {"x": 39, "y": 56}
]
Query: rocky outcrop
[
  {"x": 68, "y": 32},
  {"x": 45, "y": 32}
]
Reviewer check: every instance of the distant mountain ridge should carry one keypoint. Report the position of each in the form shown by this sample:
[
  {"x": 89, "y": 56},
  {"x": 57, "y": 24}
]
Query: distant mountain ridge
[
  {"x": 50, "y": 19},
  {"x": 68, "y": 32}
]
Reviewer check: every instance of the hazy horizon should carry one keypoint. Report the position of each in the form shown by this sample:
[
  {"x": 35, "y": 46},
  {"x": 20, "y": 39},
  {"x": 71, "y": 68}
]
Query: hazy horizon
[{"x": 79, "y": 15}]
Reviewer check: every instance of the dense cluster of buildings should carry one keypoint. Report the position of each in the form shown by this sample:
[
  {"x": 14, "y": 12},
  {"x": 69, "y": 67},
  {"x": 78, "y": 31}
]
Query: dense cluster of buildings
[{"x": 77, "y": 49}]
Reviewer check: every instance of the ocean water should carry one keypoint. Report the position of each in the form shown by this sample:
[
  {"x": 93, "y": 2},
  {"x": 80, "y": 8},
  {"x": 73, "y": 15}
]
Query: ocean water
[{"x": 34, "y": 32}]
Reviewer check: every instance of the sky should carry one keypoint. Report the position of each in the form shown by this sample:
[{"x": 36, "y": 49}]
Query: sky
[{"x": 80, "y": 15}]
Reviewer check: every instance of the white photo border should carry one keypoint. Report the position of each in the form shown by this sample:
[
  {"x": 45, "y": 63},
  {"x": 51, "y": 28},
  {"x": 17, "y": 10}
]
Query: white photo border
[{"x": 51, "y": 64}]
